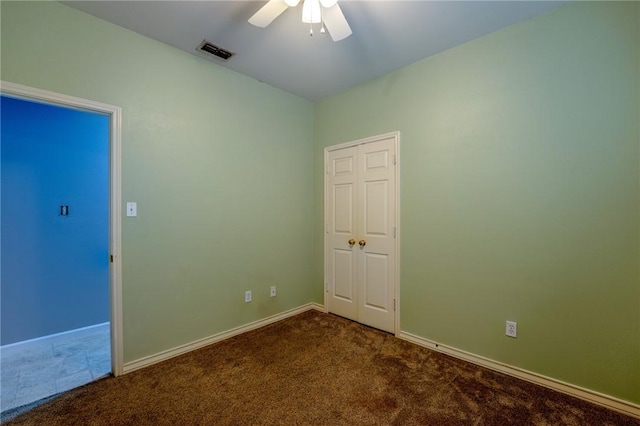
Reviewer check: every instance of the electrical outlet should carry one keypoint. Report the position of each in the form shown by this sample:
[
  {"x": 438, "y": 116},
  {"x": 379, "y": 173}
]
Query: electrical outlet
[
  {"x": 273, "y": 291},
  {"x": 247, "y": 296},
  {"x": 512, "y": 329}
]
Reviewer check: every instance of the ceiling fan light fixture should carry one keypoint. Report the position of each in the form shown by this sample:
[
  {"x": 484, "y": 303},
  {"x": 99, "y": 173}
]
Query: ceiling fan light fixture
[
  {"x": 311, "y": 12},
  {"x": 326, "y": 12},
  {"x": 328, "y": 3}
]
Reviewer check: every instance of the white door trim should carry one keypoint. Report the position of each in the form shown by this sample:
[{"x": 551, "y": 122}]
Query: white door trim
[
  {"x": 396, "y": 136},
  {"x": 115, "y": 244}
]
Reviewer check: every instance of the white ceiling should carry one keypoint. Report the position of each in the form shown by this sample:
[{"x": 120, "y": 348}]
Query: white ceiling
[{"x": 387, "y": 35}]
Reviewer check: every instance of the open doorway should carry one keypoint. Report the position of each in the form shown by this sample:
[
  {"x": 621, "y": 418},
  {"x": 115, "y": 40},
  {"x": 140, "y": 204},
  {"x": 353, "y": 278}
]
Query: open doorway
[{"x": 60, "y": 271}]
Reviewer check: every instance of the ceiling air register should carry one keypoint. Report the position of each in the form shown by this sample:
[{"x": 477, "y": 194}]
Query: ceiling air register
[{"x": 213, "y": 50}]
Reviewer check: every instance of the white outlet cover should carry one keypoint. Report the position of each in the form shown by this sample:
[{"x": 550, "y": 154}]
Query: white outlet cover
[
  {"x": 247, "y": 296},
  {"x": 512, "y": 329}
]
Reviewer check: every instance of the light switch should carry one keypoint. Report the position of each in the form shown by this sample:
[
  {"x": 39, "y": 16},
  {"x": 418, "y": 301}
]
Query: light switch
[{"x": 132, "y": 209}]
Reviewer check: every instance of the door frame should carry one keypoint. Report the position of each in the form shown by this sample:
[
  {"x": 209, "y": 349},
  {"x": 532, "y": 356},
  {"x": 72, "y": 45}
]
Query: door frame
[
  {"x": 396, "y": 137},
  {"x": 115, "y": 241}
]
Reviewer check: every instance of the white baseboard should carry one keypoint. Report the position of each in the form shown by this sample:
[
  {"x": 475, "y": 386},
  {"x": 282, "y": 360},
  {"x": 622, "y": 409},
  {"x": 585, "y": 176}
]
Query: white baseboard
[
  {"x": 317, "y": 307},
  {"x": 53, "y": 338},
  {"x": 182, "y": 349},
  {"x": 610, "y": 402}
]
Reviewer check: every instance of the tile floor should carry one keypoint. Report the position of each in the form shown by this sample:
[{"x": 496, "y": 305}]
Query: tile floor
[{"x": 44, "y": 367}]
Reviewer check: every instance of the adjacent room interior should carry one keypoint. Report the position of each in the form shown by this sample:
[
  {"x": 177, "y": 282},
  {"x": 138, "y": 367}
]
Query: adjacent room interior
[
  {"x": 518, "y": 183},
  {"x": 55, "y": 246}
]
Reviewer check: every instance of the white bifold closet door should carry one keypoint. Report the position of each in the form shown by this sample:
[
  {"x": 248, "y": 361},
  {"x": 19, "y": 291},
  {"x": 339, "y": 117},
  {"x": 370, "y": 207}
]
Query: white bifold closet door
[{"x": 360, "y": 226}]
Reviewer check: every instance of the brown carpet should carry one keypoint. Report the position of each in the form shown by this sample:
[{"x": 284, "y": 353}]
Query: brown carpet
[{"x": 317, "y": 369}]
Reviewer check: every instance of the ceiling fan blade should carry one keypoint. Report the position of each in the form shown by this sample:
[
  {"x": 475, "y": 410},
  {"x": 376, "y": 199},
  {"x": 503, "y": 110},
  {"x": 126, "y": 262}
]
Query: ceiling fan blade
[
  {"x": 268, "y": 13},
  {"x": 336, "y": 23}
]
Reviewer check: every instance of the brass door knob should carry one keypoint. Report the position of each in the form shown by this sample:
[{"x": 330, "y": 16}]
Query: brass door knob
[
  {"x": 352, "y": 242},
  {"x": 362, "y": 243}
]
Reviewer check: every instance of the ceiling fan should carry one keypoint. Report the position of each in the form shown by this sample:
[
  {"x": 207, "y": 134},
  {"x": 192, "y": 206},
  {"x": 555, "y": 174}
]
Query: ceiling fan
[{"x": 326, "y": 12}]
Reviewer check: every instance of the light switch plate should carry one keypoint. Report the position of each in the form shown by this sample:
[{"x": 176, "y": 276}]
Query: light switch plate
[{"x": 132, "y": 209}]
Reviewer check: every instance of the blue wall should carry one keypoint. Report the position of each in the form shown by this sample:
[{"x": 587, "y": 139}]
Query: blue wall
[{"x": 55, "y": 270}]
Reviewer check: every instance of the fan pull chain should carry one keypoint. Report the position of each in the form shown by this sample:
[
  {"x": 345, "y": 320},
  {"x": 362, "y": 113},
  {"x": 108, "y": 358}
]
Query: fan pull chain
[{"x": 322, "y": 30}]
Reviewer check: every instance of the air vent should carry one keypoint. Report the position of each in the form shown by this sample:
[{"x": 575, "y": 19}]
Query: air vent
[{"x": 211, "y": 49}]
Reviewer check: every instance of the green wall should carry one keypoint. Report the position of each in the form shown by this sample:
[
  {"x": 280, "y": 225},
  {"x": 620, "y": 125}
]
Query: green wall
[
  {"x": 218, "y": 163},
  {"x": 519, "y": 192}
]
